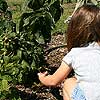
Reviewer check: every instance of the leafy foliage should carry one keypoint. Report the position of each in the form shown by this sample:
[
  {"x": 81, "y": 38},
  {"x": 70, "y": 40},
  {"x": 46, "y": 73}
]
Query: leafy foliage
[
  {"x": 35, "y": 30},
  {"x": 3, "y": 6},
  {"x": 41, "y": 20},
  {"x": 8, "y": 66},
  {"x": 22, "y": 53}
]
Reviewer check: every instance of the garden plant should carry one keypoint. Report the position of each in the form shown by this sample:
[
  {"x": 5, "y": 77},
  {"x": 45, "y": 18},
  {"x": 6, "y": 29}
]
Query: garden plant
[{"x": 22, "y": 51}]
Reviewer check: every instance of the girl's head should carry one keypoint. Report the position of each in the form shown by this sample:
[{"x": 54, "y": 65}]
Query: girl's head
[{"x": 84, "y": 27}]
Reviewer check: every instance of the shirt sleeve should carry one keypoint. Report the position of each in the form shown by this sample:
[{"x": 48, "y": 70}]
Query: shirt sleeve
[{"x": 69, "y": 58}]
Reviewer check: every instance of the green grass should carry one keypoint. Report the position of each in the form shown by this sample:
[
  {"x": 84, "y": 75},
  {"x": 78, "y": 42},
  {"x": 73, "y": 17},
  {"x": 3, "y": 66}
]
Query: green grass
[
  {"x": 60, "y": 25},
  {"x": 15, "y": 1}
]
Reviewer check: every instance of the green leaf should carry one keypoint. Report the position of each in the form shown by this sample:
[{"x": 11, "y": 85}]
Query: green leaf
[
  {"x": 9, "y": 65},
  {"x": 56, "y": 10},
  {"x": 15, "y": 71},
  {"x": 23, "y": 17},
  {"x": 6, "y": 59},
  {"x": 19, "y": 54},
  {"x": 36, "y": 4},
  {"x": 17, "y": 98},
  {"x": 24, "y": 64},
  {"x": 3, "y": 5},
  {"x": 4, "y": 85},
  {"x": 7, "y": 77}
]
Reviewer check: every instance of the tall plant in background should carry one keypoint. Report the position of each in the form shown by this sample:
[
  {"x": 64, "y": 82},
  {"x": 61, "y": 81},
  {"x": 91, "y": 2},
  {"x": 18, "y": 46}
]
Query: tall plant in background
[
  {"x": 22, "y": 53},
  {"x": 41, "y": 19},
  {"x": 35, "y": 30}
]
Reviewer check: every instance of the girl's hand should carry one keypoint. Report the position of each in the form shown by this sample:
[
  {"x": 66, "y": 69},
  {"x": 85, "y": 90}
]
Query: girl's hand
[
  {"x": 42, "y": 76},
  {"x": 56, "y": 78}
]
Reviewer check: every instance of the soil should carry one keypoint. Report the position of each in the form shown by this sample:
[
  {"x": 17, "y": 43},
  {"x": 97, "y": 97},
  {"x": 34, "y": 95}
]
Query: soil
[{"x": 54, "y": 58}]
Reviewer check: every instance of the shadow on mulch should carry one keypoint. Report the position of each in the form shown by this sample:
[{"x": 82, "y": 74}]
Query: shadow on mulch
[{"x": 47, "y": 94}]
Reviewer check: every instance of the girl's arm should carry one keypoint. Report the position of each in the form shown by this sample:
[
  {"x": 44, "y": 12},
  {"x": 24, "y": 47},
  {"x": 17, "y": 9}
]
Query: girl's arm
[{"x": 57, "y": 77}]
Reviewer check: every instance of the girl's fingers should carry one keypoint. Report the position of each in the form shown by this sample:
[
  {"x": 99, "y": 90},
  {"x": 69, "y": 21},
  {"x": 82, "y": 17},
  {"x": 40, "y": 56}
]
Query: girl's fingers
[{"x": 44, "y": 73}]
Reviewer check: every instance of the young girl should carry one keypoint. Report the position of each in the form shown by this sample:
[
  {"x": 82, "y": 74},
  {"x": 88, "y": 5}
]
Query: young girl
[{"x": 83, "y": 57}]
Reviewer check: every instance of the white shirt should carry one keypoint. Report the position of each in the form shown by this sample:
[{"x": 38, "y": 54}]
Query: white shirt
[{"x": 86, "y": 63}]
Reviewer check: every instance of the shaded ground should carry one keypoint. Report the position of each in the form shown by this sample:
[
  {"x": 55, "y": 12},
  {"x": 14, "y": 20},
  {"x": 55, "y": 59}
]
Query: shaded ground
[{"x": 54, "y": 58}]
